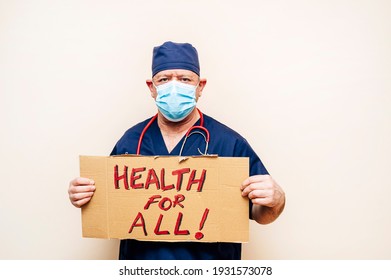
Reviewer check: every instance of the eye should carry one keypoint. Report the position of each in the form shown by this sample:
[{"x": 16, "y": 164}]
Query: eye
[
  {"x": 185, "y": 80},
  {"x": 161, "y": 80}
]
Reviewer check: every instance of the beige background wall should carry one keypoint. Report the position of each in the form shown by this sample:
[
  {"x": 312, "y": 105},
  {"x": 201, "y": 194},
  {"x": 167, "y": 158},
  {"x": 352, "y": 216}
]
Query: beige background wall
[{"x": 308, "y": 83}]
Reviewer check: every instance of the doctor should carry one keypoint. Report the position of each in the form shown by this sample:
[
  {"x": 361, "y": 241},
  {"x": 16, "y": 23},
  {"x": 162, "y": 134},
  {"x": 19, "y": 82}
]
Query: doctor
[{"x": 176, "y": 87}]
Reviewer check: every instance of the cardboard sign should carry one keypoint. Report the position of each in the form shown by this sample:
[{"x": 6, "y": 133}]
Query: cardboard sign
[{"x": 163, "y": 198}]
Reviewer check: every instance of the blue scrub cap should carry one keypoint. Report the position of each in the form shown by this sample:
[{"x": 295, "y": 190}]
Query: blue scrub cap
[{"x": 172, "y": 55}]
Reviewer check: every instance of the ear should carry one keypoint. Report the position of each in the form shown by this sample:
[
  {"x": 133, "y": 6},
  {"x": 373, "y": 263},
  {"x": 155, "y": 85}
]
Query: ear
[
  {"x": 200, "y": 87},
  {"x": 152, "y": 88}
]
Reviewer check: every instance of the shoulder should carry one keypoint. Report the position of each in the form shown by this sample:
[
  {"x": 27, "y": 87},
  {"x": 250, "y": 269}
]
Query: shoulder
[
  {"x": 137, "y": 128},
  {"x": 219, "y": 128},
  {"x": 225, "y": 141},
  {"x": 226, "y": 138},
  {"x": 222, "y": 132},
  {"x": 128, "y": 142}
]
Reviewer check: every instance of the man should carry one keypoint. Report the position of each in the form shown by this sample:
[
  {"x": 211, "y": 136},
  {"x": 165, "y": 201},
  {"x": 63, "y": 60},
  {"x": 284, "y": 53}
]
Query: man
[{"x": 176, "y": 87}]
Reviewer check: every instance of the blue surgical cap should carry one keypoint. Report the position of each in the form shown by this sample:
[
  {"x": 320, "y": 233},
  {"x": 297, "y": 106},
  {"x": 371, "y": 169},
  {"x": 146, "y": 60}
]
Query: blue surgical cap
[{"x": 172, "y": 55}]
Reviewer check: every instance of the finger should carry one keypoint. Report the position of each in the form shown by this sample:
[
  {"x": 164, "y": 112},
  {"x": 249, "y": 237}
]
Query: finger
[
  {"x": 80, "y": 181},
  {"x": 247, "y": 190},
  {"x": 256, "y": 186},
  {"x": 254, "y": 179},
  {"x": 81, "y": 202},
  {"x": 79, "y": 196},
  {"x": 81, "y": 189},
  {"x": 259, "y": 194},
  {"x": 263, "y": 201}
]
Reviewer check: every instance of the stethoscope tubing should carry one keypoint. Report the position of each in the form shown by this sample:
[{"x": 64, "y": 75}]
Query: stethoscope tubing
[{"x": 201, "y": 126}]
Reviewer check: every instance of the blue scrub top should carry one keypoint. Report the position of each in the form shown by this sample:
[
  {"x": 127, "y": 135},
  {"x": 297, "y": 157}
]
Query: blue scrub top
[{"x": 224, "y": 142}]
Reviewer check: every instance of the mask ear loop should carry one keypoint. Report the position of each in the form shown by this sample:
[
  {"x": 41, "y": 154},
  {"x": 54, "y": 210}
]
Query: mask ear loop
[{"x": 188, "y": 134}]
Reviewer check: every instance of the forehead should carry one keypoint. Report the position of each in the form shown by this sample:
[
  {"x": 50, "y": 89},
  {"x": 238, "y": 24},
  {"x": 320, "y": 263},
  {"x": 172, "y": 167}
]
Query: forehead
[{"x": 175, "y": 72}]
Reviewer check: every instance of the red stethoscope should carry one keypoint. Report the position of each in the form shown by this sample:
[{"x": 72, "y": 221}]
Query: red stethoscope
[{"x": 187, "y": 135}]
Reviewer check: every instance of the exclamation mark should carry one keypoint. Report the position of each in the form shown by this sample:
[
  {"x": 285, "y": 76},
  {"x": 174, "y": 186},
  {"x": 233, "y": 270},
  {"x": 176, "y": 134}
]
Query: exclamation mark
[{"x": 199, "y": 235}]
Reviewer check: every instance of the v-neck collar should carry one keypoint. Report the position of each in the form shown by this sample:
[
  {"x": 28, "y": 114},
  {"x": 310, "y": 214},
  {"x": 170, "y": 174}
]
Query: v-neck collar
[{"x": 162, "y": 149}]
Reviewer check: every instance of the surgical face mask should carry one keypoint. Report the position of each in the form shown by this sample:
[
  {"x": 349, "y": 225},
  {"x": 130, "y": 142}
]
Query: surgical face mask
[{"x": 176, "y": 100}]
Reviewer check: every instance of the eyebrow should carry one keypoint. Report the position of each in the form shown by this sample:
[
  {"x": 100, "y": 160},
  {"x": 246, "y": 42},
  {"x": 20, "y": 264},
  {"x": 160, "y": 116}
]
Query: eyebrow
[{"x": 158, "y": 76}]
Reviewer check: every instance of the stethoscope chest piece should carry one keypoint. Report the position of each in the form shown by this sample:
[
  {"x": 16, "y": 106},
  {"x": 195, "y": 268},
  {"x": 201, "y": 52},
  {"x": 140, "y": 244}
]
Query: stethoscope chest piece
[{"x": 191, "y": 132}]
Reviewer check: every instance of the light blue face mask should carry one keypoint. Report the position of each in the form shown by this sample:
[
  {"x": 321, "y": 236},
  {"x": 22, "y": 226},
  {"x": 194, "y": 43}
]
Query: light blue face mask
[{"x": 176, "y": 100}]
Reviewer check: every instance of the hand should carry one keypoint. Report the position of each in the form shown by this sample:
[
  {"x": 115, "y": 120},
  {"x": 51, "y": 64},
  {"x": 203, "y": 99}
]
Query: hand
[
  {"x": 267, "y": 197},
  {"x": 81, "y": 191},
  {"x": 263, "y": 190}
]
